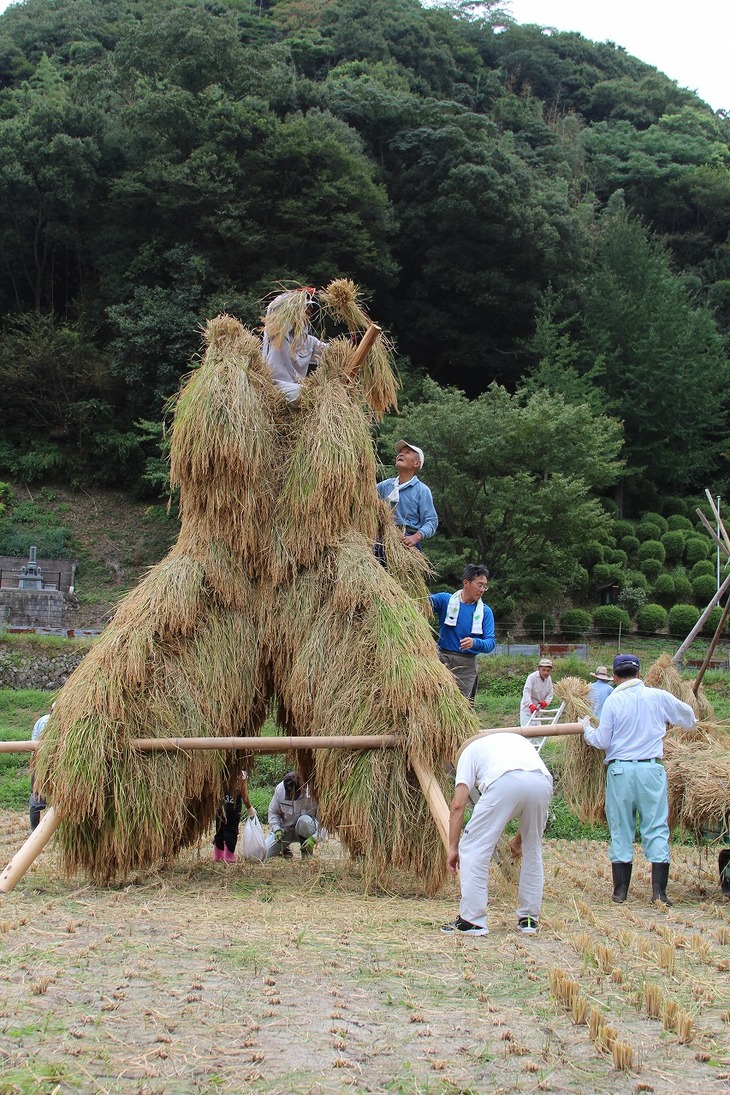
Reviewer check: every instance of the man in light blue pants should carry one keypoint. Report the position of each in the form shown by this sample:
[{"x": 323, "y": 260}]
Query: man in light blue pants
[{"x": 632, "y": 728}]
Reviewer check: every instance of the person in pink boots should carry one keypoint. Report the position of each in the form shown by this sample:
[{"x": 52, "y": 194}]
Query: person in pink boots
[{"x": 227, "y": 822}]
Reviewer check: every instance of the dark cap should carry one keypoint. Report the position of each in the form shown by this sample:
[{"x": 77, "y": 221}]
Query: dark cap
[{"x": 625, "y": 661}]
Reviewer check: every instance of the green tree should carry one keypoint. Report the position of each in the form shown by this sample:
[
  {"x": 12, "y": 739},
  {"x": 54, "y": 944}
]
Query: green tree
[{"x": 515, "y": 475}]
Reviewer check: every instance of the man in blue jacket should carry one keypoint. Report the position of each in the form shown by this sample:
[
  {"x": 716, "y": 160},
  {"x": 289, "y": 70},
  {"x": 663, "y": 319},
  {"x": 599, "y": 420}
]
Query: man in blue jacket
[
  {"x": 412, "y": 501},
  {"x": 466, "y": 627}
]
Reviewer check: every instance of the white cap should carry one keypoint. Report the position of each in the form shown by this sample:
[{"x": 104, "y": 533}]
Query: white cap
[{"x": 400, "y": 445}]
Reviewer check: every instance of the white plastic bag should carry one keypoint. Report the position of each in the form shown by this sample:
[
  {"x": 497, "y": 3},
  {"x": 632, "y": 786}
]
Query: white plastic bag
[{"x": 253, "y": 842}]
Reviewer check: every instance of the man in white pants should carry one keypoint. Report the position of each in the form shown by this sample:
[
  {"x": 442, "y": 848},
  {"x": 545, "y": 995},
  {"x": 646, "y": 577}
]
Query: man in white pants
[{"x": 514, "y": 783}]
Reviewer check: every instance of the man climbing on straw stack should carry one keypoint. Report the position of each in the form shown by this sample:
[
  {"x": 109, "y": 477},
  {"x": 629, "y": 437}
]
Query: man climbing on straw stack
[
  {"x": 289, "y": 347},
  {"x": 632, "y": 728},
  {"x": 514, "y": 783},
  {"x": 412, "y": 501},
  {"x": 466, "y": 627}
]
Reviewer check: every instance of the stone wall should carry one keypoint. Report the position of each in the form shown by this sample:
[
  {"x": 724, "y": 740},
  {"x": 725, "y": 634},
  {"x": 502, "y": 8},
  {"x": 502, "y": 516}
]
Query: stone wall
[
  {"x": 36, "y": 608},
  {"x": 32, "y": 667}
]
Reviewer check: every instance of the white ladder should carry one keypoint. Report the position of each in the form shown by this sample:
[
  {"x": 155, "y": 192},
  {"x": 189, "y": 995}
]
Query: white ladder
[{"x": 544, "y": 716}]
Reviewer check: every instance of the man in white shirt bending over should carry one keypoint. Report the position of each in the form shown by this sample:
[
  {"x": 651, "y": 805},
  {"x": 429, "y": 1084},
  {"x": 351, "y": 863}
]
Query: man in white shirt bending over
[{"x": 514, "y": 783}]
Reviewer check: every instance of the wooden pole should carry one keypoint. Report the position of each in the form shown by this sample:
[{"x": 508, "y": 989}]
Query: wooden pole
[
  {"x": 363, "y": 349},
  {"x": 701, "y": 622},
  {"x": 434, "y": 797},
  {"x": 32, "y": 848},
  {"x": 720, "y": 543},
  {"x": 287, "y": 744},
  {"x": 711, "y": 649},
  {"x": 718, "y": 519}
]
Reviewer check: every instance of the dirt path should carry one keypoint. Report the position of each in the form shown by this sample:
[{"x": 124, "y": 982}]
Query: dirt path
[{"x": 283, "y": 978}]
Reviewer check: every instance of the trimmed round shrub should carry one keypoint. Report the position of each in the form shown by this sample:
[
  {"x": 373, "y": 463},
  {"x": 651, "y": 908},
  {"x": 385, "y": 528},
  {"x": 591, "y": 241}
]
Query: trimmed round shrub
[
  {"x": 677, "y": 521},
  {"x": 646, "y": 530},
  {"x": 674, "y": 507},
  {"x": 651, "y": 618},
  {"x": 606, "y": 572},
  {"x": 623, "y": 528},
  {"x": 704, "y": 588},
  {"x": 575, "y": 623},
  {"x": 630, "y": 544},
  {"x": 673, "y": 543},
  {"x": 695, "y": 549},
  {"x": 651, "y": 568},
  {"x": 664, "y": 589},
  {"x": 652, "y": 549},
  {"x": 609, "y": 618},
  {"x": 682, "y": 585},
  {"x": 631, "y": 599},
  {"x": 592, "y": 553},
  {"x": 710, "y": 625},
  {"x": 535, "y": 622},
  {"x": 704, "y": 566},
  {"x": 615, "y": 555},
  {"x": 637, "y": 578},
  {"x": 650, "y": 518},
  {"x": 682, "y": 618}
]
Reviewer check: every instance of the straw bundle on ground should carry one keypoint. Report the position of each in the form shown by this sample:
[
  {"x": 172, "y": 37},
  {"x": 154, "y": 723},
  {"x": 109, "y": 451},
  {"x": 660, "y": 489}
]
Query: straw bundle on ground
[
  {"x": 698, "y": 775},
  {"x": 584, "y": 771}
]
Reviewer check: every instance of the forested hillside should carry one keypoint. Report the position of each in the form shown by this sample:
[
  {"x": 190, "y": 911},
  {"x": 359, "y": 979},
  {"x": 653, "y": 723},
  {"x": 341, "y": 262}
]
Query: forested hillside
[{"x": 540, "y": 221}]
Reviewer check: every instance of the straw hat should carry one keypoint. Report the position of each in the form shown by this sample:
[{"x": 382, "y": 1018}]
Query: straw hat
[
  {"x": 545, "y": 663},
  {"x": 602, "y": 674}
]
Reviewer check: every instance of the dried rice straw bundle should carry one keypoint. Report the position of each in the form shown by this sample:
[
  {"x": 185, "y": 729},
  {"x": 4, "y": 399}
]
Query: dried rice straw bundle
[
  {"x": 341, "y": 300},
  {"x": 287, "y": 314},
  {"x": 366, "y": 664},
  {"x": 409, "y": 568},
  {"x": 376, "y": 379},
  {"x": 663, "y": 673},
  {"x": 223, "y": 443},
  {"x": 699, "y": 782},
  {"x": 123, "y": 810},
  {"x": 584, "y": 771},
  {"x": 328, "y": 485}
]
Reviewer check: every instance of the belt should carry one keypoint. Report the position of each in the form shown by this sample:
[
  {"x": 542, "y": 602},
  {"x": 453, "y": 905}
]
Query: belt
[{"x": 644, "y": 760}]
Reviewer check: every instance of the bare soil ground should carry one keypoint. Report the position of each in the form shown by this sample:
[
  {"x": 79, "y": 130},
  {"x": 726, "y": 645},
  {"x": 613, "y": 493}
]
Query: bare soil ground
[{"x": 284, "y": 977}]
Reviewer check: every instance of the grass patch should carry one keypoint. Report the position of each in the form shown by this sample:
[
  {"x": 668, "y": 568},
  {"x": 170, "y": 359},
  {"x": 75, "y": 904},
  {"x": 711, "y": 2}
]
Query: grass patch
[{"x": 18, "y": 713}]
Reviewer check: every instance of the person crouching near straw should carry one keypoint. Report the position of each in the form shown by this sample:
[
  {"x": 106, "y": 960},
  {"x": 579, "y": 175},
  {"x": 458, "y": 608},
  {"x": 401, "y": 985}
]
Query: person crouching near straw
[
  {"x": 633, "y": 724},
  {"x": 292, "y": 819},
  {"x": 514, "y": 783},
  {"x": 466, "y": 627}
]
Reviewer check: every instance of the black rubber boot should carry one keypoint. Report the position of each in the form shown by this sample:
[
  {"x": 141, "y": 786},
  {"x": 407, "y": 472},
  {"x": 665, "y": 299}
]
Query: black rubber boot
[
  {"x": 621, "y": 881},
  {"x": 659, "y": 879},
  {"x": 723, "y": 862}
]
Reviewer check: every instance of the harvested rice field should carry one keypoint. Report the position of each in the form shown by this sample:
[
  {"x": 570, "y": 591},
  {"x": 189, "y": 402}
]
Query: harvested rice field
[{"x": 283, "y": 978}]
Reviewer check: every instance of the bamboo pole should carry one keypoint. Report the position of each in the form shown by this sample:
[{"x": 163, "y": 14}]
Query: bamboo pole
[
  {"x": 720, "y": 543},
  {"x": 701, "y": 622},
  {"x": 434, "y": 797},
  {"x": 363, "y": 349},
  {"x": 29, "y": 852},
  {"x": 718, "y": 519},
  {"x": 287, "y": 744},
  {"x": 711, "y": 648}
]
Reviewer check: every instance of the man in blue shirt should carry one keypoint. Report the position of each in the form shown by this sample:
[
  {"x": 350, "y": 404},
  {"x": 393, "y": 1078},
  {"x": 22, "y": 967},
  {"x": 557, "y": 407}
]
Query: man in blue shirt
[
  {"x": 600, "y": 690},
  {"x": 412, "y": 502},
  {"x": 632, "y": 728},
  {"x": 466, "y": 627}
]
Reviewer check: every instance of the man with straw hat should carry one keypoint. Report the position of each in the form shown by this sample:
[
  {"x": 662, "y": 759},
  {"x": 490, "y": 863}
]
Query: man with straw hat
[
  {"x": 412, "y": 501},
  {"x": 632, "y": 728},
  {"x": 601, "y": 689},
  {"x": 514, "y": 783},
  {"x": 538, "y": 691},
  {"x": 466, "y": 627}
]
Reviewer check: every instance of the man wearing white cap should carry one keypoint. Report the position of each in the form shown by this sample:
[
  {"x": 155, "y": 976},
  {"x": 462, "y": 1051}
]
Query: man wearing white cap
[
  {"x": 538, "y": 691},
  {"x": 412, "y": 501}
]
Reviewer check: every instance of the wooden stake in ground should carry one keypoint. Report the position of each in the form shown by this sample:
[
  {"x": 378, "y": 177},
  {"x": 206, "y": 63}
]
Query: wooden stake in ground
[{"x": 27, "y": 855}]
